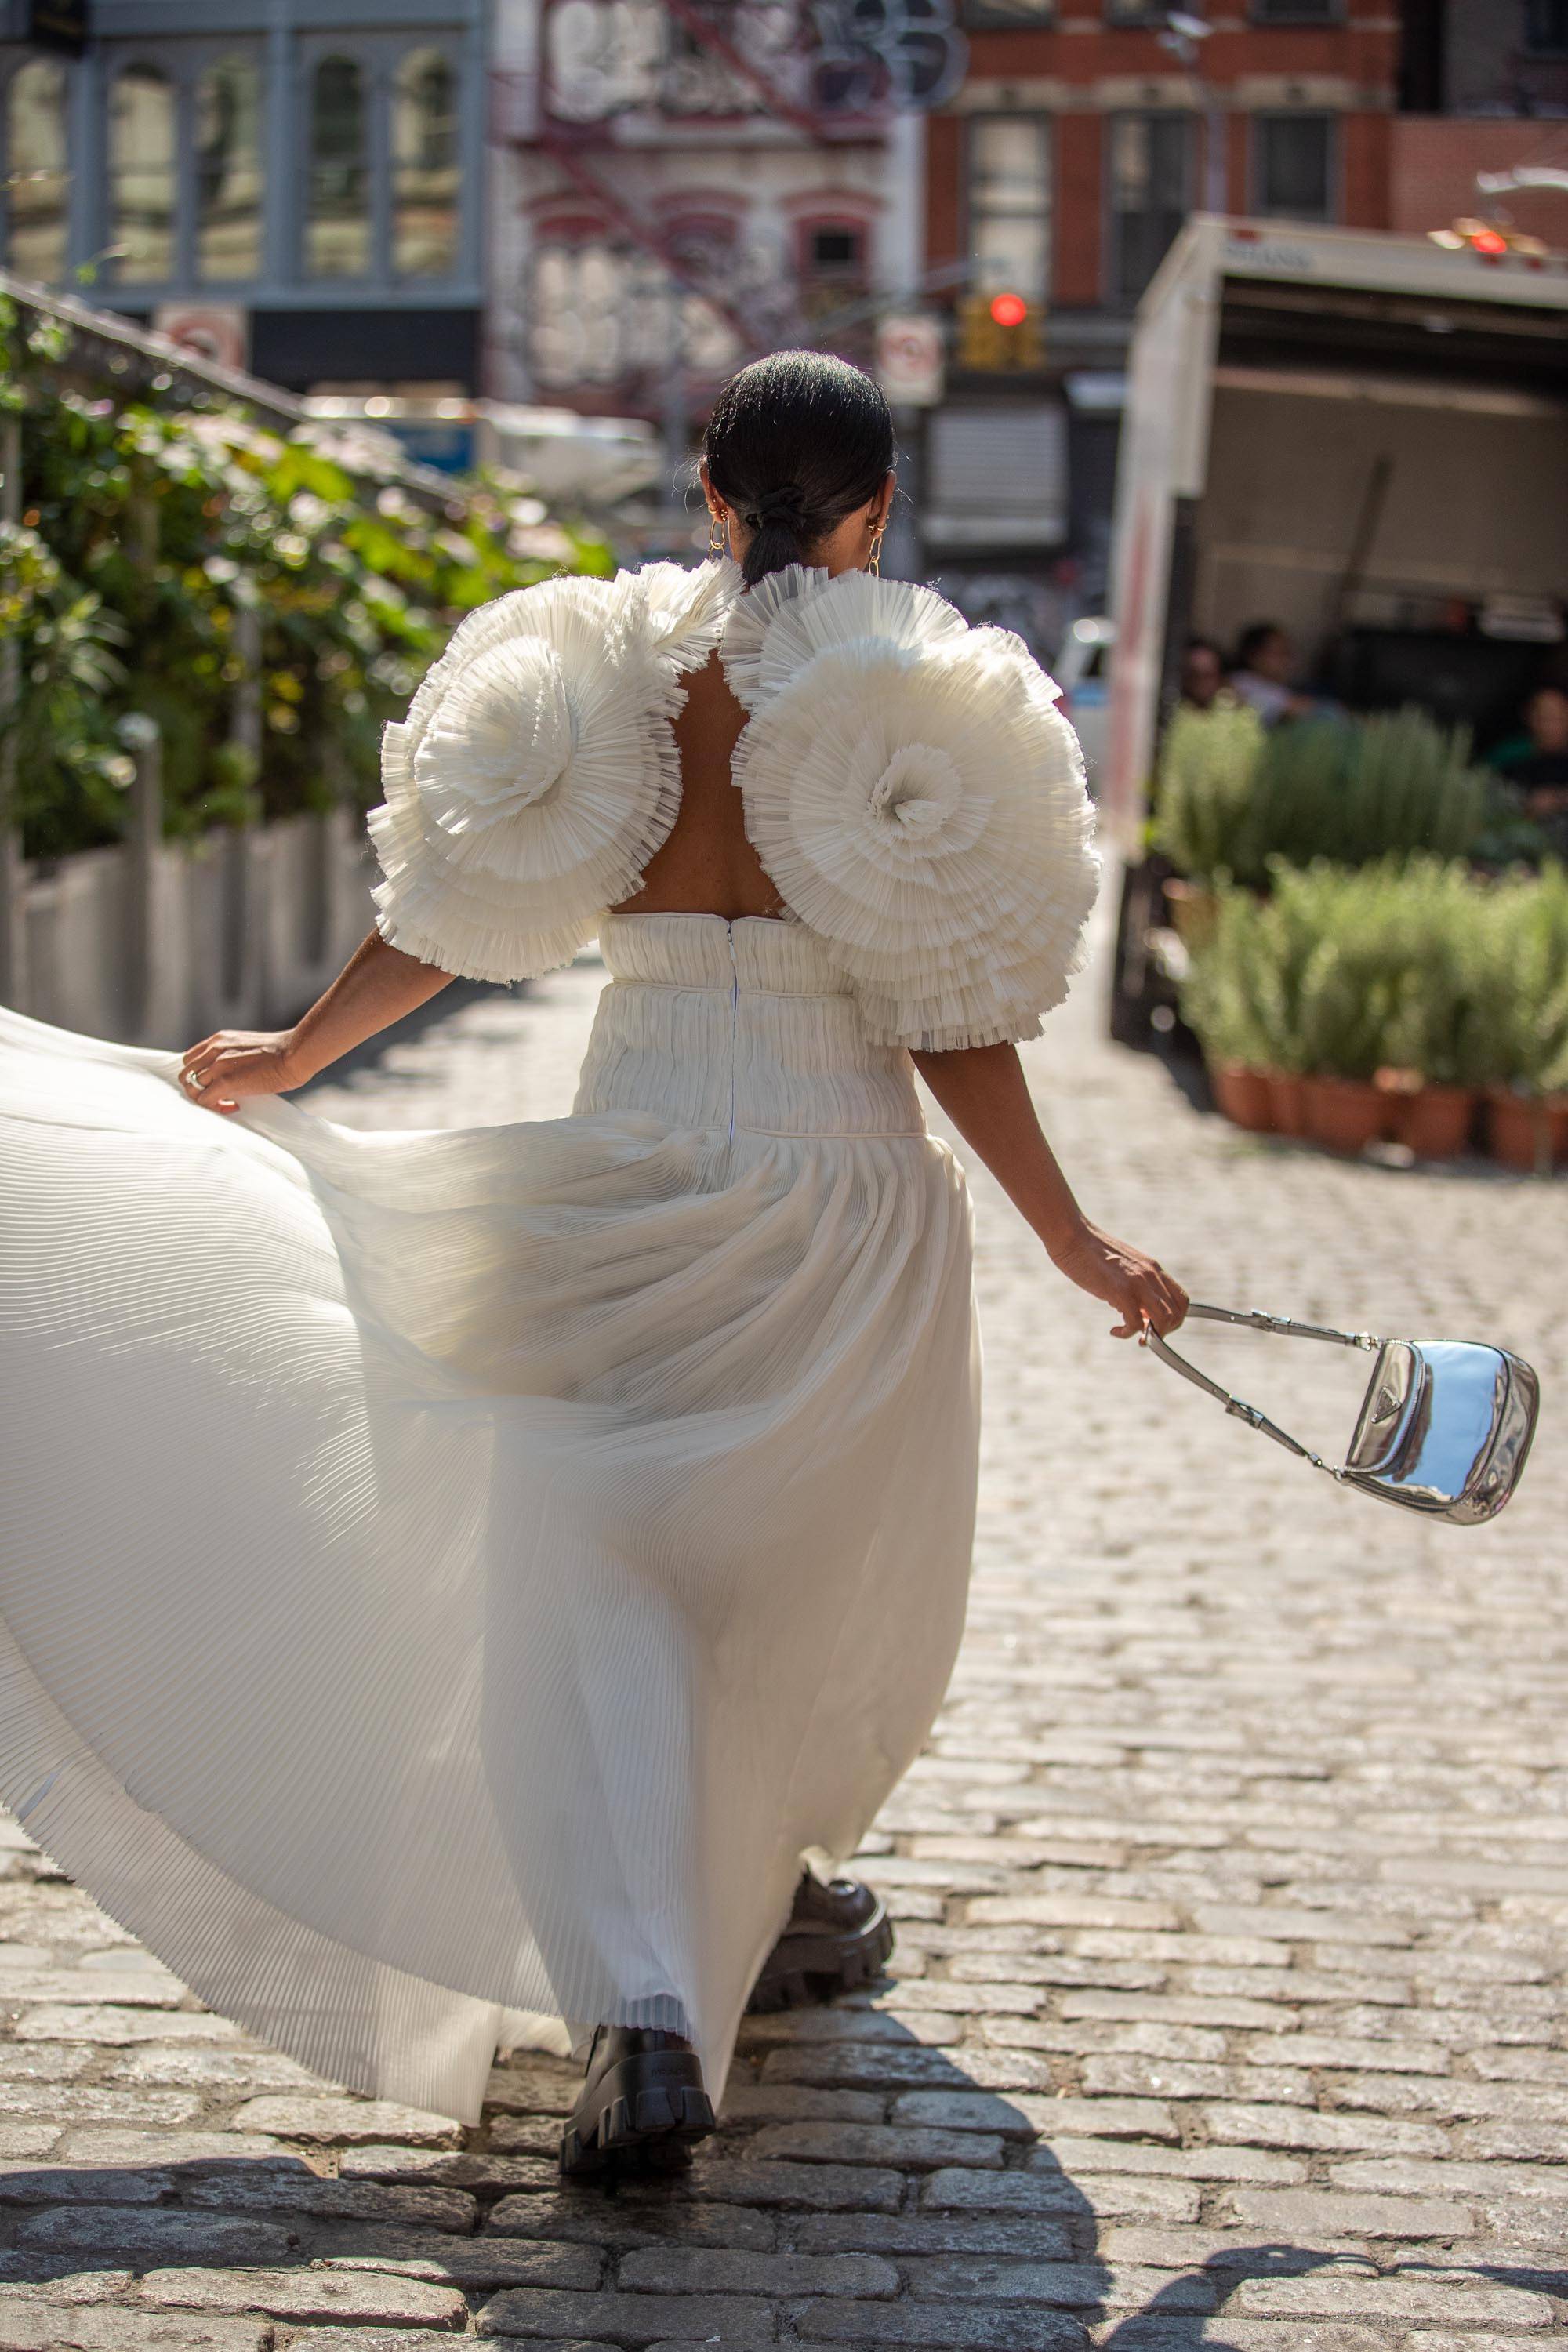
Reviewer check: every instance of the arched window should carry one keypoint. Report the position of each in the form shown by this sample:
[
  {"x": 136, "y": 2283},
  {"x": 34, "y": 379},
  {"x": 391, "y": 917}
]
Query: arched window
[
  {"x": 424, "y": 180},
  {"x": 599, "y": 315},
  {"x": 38, "y": 178},
  {"x": 337, "y": 210},
  {"x": 142, "y": 181},
  {"x": 228, "y": 170},
  {"x": 578, "y": 314}
]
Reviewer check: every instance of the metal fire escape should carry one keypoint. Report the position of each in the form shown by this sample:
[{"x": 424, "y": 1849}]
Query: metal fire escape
[{"x": 836, "y": 81}]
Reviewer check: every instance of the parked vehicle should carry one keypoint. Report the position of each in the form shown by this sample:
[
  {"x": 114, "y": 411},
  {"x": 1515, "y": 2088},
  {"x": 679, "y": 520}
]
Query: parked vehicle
[{"x": 1083, "y": 672}]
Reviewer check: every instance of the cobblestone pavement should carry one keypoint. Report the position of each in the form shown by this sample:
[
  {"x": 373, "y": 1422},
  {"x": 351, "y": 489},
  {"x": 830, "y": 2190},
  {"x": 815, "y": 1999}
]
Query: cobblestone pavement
[{"x": 1229, "y": 2003}]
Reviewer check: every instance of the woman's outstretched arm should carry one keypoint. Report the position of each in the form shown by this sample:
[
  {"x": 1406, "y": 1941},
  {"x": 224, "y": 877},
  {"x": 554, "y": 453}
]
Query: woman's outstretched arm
[
  {"x": 985, "y": 1094},
  {"x": 376, "y": 987}
]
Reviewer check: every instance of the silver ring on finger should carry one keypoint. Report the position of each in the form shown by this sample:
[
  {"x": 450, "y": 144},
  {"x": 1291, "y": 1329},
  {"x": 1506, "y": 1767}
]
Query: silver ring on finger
[{"x": 194, "y": 1081}]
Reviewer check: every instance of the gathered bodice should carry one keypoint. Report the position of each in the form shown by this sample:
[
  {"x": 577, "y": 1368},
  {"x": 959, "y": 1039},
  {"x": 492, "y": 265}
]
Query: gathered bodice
[{"x": 742, "y": 1025}]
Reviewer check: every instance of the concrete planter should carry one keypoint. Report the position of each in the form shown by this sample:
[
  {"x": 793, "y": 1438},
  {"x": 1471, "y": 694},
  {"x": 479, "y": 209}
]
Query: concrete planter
[{"x": 158, "y": 943}]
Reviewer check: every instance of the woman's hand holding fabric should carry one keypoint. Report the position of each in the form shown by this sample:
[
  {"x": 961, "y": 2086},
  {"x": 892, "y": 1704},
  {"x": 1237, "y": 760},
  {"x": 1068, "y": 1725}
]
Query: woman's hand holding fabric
[{"x": 233, "y": 1064}]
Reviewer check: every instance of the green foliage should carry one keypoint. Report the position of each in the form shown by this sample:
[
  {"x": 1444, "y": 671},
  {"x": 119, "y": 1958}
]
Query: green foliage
[
  {"x": 1531, "y": 954},
  {"x": 1241, "y": 990},
  {"x": 151, "y": 529},
  {"x": 1413, "y": 964},
  {"x": 1351, "y": 791},
  {"x": 1356, "y": 790},
  {"x": 1208, "y": 764}
]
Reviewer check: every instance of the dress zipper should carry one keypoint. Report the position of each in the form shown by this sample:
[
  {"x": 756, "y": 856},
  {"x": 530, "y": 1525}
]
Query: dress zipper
[{"x": 735, "y": 1018}]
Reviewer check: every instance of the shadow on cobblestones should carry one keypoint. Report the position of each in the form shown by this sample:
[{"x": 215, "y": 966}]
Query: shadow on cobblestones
[
  {"x": 1183, "y": 2311},
  {"x": 1229, "y": 2007}
]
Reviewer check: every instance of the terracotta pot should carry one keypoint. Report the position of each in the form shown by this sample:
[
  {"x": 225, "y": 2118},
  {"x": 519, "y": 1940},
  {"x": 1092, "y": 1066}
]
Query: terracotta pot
[
  {"x": 1434, "y": 1121},
  {"x": 1527, "y": 1132},
  {"x": 1243, "y": 1097},
  {"x": 1192, "y": 909},
  {"x": 1344, "y": 1114},
  {"x": 1287, "y": 1102}
]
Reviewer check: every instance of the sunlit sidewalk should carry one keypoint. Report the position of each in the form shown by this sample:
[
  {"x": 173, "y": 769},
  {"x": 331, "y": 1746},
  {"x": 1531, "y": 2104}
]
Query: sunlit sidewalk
[{"x": 1229, "y": 2003}]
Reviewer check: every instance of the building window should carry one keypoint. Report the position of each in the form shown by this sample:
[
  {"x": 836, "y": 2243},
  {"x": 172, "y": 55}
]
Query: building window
[
  {"x": 704, "y": 248},
  {"x": 836, "y": 251},
  {"x": 36, "y": 187},
  {"x": 1546, "y": 28},
  {"x": 424, "y": 172},
  {"x": 141, "y": 175},
  {"x": 1134, "y": 12},
  {"x": 1293, "y": 167},
  {"x": 830, "y": 274},
  {"x": 1295, "y": 12},
  {"x": 1009, "y": 204},
  {"x": 574, "y": 317},
  {"x": 228, "y": 170},
  {"x": 338, "y": 207},
  {"x": 1150, "y": 195},
  {"x": 598, "y": 315}
]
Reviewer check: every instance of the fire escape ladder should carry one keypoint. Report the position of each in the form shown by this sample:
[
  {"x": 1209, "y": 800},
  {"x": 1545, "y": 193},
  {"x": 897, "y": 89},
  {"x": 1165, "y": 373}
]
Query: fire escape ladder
[
  {"x": 645, "y": 234},
  {"x": 820, "y": 129}
]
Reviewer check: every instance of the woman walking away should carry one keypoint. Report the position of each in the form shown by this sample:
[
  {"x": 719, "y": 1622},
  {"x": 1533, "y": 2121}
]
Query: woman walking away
[{"x": 469, "y": 1589}]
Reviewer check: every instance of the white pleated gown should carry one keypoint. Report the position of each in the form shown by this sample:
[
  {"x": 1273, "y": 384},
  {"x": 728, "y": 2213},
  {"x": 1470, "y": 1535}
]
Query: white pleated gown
[{"x": 450, "y": 1579}]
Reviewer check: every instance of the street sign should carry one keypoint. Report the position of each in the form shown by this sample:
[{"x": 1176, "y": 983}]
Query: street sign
[
  {"x": 58, "y": 24},
  {"x": 908, "y": 361}
]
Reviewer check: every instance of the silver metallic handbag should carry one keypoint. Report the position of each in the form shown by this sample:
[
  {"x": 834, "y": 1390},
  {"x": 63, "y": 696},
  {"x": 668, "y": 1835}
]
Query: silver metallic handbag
[{"x": 1444, "y": 1428}]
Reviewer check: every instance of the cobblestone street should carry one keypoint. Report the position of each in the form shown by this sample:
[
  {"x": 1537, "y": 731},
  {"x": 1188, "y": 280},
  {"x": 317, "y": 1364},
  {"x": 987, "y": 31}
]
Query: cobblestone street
[{"x": 1229, "y": 2005}]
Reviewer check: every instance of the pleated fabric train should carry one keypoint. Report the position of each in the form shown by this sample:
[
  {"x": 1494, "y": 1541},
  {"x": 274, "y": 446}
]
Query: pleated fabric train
[{"x": 449, "y": 1580}]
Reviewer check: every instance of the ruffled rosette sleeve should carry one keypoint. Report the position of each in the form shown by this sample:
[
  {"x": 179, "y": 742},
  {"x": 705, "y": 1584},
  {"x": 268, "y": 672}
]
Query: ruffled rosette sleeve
[
  {"x": 918, "y": 801},
  {"x": 535, "y": 774}
]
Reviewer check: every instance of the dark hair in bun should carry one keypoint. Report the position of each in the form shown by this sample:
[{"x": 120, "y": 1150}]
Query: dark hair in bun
[{"x": 795, "y": 443}]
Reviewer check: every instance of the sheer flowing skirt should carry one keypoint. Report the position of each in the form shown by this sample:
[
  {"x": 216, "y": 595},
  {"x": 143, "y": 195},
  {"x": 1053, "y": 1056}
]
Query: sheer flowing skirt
[{"x": 449, "y": 1580}]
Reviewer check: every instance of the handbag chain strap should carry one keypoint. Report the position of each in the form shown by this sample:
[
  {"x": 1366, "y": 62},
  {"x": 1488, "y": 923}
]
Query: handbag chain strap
[{"x": 1254, "y": 1319}]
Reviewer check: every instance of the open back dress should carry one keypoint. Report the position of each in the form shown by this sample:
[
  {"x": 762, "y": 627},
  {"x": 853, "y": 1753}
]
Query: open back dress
[{"x": 450, "y": 1579}]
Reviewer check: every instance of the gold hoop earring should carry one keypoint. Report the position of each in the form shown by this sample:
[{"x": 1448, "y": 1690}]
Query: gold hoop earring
[{"x": 718, "y": 535}]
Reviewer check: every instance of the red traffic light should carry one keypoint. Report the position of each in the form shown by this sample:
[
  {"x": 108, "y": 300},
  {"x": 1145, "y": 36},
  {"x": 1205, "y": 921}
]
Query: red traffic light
[{"x": 1008, "y": 310}]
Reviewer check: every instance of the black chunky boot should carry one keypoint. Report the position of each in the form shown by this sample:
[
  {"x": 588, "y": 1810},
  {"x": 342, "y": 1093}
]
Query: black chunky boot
[
  {"x": 839, "y": 1936},
  {"x": 643, "y": 2099}
]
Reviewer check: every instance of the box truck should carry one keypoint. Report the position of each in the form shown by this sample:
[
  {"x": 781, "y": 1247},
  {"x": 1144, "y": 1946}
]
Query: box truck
[{"x": 1361, "y": 437}]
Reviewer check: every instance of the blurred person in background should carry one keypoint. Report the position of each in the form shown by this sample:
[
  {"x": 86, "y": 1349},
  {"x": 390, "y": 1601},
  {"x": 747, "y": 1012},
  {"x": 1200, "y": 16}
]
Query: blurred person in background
[
  {"x": 1533, "y": 766},
  {"x": 1202, "y": 675},
  {"x": 1210, "y": 732},
  {"x": 1536, "y": 759},
  {"x": 1263, "y": 672}
]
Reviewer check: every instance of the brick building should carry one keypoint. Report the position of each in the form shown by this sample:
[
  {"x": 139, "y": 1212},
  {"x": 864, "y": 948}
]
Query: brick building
[
  {"x": 1499, "y": 56},
  {"x": 672, "y": 194},
  {"x": 1059, "y": 172},
  {"x": 1486, "y": 84}
]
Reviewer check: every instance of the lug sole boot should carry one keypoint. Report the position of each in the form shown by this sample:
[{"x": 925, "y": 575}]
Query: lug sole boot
[
  {"x": 839, "y": 1937},
  {"x": 643, "y": 2106}
]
